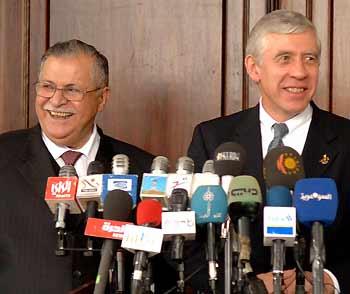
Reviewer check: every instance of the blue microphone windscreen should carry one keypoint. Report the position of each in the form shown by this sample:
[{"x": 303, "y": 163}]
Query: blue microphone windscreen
[
  {"x": 316, "y": 199},
  {"x": 279, "y": 196},
  {"x": 209, "y": 204}
]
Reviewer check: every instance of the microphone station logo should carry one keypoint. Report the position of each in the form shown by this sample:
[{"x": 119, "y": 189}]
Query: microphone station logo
[
  {"x": 288, "y": 164},
  {"x": 121, "y": 184},
  {"x": 89, "y": 185},
  {"x": 319, "y": 197},
  {"x": 102, "y": 228},
  {"x": 234, "y": 156},
  {"x": 61, "y": 188},
  {"x": 58, "y": 188},
  {"x": 243, "y": 191}
]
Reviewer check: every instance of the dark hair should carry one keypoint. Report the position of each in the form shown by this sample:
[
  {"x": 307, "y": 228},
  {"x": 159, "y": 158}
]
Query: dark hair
[{"x": 76, "y": 47}]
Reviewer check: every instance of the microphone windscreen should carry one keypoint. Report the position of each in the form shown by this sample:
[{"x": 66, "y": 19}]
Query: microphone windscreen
[
  {"x": 67, "y": 171},
  {"x": 117, "y": 205},
  {"x": 316, "y": 199},
  {"x": 185, "y": 165},
  {"x": 283, "y": 166},
  {"x": 95, "y": 167},
  {"x": 244, "y": 197},
  {"x": 209, "y": 204},
  {"x": 149, "y": 212},
  {"x": 208, "y": 167},
  {"x": 178, "y": 200},
  {"x": 160, "y": 164},
  {"x": 229, "y": 159},
  {"x": 120, "y": 164},
  {"x": 279, "y": 196}
]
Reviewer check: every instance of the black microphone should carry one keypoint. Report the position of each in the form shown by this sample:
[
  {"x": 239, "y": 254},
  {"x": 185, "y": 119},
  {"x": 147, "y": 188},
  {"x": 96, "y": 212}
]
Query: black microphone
[
  {"x": 178, "y": 202},
  {"x": 148, "y": 214},
  {"x": 94, "y": 168},
  {"x": 117, "y": 206},
  {"x": 229, "y": 160}
]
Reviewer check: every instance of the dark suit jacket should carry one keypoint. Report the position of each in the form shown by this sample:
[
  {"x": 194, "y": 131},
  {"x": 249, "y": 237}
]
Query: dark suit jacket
[
  {"x": 328, "y": 134},
  {"x": 27, "y": 230}
]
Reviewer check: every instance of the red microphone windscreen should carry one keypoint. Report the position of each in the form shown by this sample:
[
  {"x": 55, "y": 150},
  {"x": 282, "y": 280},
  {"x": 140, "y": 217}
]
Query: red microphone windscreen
[{"x": 149, "y": 212}]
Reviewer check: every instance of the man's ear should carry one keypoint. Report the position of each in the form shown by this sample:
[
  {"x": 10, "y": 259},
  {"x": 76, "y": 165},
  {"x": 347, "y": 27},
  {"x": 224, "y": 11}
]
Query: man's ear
[
  {"x": 103, "y": 98},
  {"x": 252, "y": 68}
]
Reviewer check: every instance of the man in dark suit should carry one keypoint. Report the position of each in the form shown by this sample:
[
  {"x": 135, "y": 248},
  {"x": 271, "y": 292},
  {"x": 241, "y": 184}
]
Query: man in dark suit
[
  {"x": 282, "y": 58},
  {"x": 72, "y": 88}
]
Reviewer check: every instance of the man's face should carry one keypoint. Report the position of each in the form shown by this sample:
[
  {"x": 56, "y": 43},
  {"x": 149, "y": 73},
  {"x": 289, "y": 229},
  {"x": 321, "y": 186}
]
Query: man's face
[
  {"x": 287, "y": 73},
  {"x": 66, "y": 122}
]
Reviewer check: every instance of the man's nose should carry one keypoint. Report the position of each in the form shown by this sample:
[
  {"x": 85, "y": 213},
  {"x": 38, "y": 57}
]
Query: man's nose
[
  {"x": 298, "y": 69},
  {"x": 58, "y": 99}
]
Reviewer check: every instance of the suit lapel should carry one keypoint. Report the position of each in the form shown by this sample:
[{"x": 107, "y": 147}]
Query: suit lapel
[
  {"x": 105, "y": 152},
  {"x": 248, "y": 134},
  {"x": 36, "y": 163},
  {"x": 319, "y": 152}
]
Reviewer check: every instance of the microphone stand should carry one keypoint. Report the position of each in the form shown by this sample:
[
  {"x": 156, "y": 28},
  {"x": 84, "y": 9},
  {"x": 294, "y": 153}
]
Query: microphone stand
[
  {"x": 317, "y": 257},
  {"x": 299, "y": 254},
  {"x": 148, "y": 281},
  {"x": 226, "y": 230}
]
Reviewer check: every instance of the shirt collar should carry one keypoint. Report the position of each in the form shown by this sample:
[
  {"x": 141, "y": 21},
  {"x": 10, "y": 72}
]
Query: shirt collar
[
  {"x": 292, "y": 123},
  {"x": 57, "y": 150}
]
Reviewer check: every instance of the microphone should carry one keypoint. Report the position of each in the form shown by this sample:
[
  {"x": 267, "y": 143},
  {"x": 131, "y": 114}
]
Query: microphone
[
  {"x": 283, "y": 166},
  {"x": 279, "y": 229},
  {"x": 120, "y": 179},
  {"x": 160, "y": 165},
  {"x": 210, "y": 206},
  {"x": 182, "y": 177},
  {"x": 244, "y": 198},
  {"x": 207, "y": 177},
  {"x": 145, "y": 239},
  {"x": 89, "y": 196},
  {"x": 179, "y": 224},
  {"x": 154, "y": 183},
  {"x": 229, "y": 160},
  {"x": 117, "y": 206},
  {"x": 60, "y": 196},
  {"x": 316, "y": 202}
]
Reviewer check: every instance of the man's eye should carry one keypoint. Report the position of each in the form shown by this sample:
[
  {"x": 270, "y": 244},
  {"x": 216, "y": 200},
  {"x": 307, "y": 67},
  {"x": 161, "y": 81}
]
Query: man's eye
[
  {"x": 311, "y": 58},
  {"x": 47, "y": 87},
  {"x": 284, "y": 58},
  {"x": 72, "y": 90}
]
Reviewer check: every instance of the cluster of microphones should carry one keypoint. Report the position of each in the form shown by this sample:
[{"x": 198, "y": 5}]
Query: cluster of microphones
[{"x": 220, "y": 200}]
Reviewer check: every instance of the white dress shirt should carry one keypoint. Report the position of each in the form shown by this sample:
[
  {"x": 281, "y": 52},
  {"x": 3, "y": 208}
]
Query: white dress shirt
[
  {"x": 298, "y": 127},
  {"x": 89, "y": 151}
]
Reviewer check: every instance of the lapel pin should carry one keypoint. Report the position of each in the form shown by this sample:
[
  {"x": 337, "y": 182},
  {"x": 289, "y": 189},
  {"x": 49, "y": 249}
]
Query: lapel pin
[{"x": 325, "y": 159}]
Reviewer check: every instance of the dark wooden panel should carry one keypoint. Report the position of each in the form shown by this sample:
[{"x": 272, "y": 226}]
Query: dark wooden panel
[
  {"x": 257, "y": 10},
  {"x": 13, "y": 64},
  {"x": 321, "y": 17},
  {"x": 295, "y": 5},
  {"x": 38, "y": 42},
  {"x": 165, "y": 60},
  {"x": 234, "y": 65},
  {"x": 341, "y": 59}
]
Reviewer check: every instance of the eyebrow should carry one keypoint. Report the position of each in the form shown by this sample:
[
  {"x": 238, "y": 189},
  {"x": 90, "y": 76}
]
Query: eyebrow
[{"x": 281, "y": 53}]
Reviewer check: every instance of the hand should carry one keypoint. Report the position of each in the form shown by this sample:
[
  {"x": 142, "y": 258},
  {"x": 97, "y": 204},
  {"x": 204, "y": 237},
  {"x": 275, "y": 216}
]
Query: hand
[{"x": 288, "y": 286}]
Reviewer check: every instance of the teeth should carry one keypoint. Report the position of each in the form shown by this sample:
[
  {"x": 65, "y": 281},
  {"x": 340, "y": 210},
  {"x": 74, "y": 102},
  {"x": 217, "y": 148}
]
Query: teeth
[
  {"x": 60, "y": 114},
  {"x": 295, "y": 90}
]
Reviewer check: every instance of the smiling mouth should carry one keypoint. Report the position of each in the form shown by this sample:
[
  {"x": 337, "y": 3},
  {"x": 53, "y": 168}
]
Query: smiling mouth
[
  {"x": 59, "y": 114},
  {"x": 295, "y": 90}
]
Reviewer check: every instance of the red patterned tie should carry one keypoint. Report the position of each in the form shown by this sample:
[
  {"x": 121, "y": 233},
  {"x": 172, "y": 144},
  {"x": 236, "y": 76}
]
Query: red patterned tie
[{"x": 70, "y": 157}]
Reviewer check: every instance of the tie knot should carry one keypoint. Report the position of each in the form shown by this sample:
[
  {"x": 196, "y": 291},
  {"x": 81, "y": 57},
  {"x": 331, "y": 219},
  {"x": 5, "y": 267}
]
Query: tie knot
[
  {"x": 280, "y": 130},
  {"x": 70, "y": 157}
]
